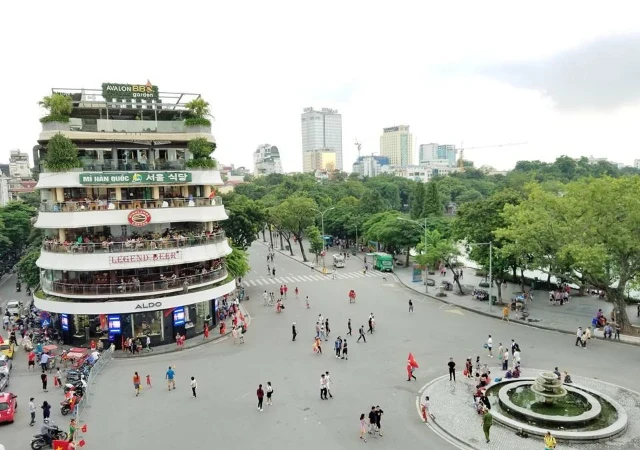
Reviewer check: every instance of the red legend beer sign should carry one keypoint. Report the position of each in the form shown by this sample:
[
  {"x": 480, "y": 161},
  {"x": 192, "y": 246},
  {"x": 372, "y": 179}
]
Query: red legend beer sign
[{"x": 139, "y": 218}]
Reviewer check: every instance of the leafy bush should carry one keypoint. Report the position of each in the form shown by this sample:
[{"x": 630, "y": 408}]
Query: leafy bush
[
  {"x": 237, "y": 262},
  {"x": 209, "y": 163},
  {"x": 54, "y": 118},
  {"x": 197, "y": 121},
  {"x": 201, "y": 149},
  {"x": 57, "y": 105},
  {"x": 62, "y": 154}
]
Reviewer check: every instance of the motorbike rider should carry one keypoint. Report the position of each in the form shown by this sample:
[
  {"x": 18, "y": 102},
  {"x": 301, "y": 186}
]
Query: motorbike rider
[{"x": 47, "y": 430}]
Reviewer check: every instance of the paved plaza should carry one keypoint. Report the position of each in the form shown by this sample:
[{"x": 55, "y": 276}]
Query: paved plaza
[{"x": 225, "y": 414}]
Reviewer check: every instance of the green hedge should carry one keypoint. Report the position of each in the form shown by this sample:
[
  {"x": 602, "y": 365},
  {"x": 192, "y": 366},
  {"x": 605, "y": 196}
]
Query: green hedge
[
  {"x": 54, "y": 118},
  {"x": 197, "y": 121}
]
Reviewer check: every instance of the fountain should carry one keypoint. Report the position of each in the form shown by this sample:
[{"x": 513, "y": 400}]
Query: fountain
[
  {"x": 543, "y": 403},
  {"x": 549, "y": 387}
]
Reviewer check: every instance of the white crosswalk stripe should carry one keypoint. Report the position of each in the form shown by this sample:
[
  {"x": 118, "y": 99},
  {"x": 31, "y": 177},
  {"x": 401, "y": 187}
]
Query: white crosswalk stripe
[{"x": 263, "y": 281}]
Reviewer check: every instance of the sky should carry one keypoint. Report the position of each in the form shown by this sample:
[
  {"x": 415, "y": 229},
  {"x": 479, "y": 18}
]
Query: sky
[{"x": 564, "y": 77}]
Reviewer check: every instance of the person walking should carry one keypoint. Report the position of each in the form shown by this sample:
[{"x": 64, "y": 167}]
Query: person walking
[
  {"x": 326, "y": 329},
  {"x": 505, "y": 359},
  {"x": 58, "y": 377},
  {"x": 323, "y": 388},
  {"x": 148, "y": 381},
  {"x": 452, "y": 370},
  {"x": 338, "y": 346},
  {"x": 46, "y": 410},
  {"x": 32, "y": 411},
  {"x": 505, "y": 313},
  {"x": 549, "y": 441},
  {"x": 583, "y": 339},
  {"x": 515, "y": 358},
  {"x": 487, "y": 421},
  {"x": 370, "y": 324},
  {"x": 349, "y": 327},
  {"x": 260, "y": 395},
  {"x": 269, "y": 393},
  {"x": 379, "y": 413},
  {"x": 363, "y": 427},
  {"x": 490, "y": 346},
  {"x": 148, "y": 338},
  {"x": 579, "y": 336},
  {"x": 286, "y": 289},
  {"x": 194, "y": 386},
  {"x": 345, "y": 354},
  {"x": 43, "y": 378},
  {"x": 170, "y": 376},
  {"x": 273, "y": 272},
  {"x": 410, "y": 306},
  {"x": 362, "y": 336},
  {"x": 294, "y": 332},
  {"x": 425, "y": 407},
  {"x": 410, "y": 374},
  {"x": 328, "y": 381},
  {"x": 31, "y": 361},
  {"x": 136, "y": 383}
]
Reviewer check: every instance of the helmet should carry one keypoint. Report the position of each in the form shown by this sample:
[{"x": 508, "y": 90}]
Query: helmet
[{"x": 46, "y": 420}]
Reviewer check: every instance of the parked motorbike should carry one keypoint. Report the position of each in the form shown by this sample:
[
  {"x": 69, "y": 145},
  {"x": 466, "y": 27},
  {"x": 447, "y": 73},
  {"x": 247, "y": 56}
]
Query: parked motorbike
[
  {"x": 39, "y": 440},
  {"x": 65, "y": 406}
]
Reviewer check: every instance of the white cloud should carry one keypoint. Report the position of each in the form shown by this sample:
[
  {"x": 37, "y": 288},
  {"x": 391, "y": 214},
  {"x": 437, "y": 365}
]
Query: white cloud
[{"x": 380, "y": 63}]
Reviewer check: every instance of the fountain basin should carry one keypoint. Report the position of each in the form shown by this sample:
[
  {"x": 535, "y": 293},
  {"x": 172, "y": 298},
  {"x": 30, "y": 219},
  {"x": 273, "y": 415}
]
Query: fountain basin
[
  {"x": 570, "y": 421},
  {"x": 606, "y": 431}
]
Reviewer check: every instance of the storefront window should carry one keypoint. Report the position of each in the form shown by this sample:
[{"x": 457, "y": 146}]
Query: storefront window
[
  {"x": 199, "y": 313},
  {"x": 148, "y": 323}
]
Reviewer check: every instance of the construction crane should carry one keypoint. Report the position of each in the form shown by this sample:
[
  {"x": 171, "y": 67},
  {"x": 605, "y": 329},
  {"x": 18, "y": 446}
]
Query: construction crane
[
  {"x": 461, "y": 158},
  {"x": 359, "y": 145}
]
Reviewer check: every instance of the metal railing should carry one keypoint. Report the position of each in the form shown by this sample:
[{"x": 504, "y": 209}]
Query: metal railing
[
  {"x": 110, "y": 205},
  {"x": 130, "y": 287},
  {"x": 105, "y": 357},
  {"x": 138, "y": 245},
  {"x": 131, "y": 164}
]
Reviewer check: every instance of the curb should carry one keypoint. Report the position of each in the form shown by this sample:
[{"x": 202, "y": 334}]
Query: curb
[
  {"x": 197, "y": 344},
  {"x": 487, "y": 314},
  {"x": 283, "y": 253}
]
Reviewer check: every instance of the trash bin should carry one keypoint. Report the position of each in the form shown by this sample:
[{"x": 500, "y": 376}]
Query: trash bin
[
  {"x": 494, "y": 299},
  {"x": 533, "y": 285},
  {"x": 441, "y": 290}
]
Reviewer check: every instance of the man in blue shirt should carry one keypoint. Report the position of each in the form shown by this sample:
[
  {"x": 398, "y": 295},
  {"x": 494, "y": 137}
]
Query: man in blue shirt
[{"x": 170, "y": 378}]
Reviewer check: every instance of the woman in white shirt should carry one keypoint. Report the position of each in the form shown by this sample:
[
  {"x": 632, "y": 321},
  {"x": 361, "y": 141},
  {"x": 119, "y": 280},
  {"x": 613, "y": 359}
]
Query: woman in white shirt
[{"x": 269, "y": 393}]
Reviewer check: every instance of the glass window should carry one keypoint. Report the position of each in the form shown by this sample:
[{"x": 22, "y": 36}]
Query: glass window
[{"x": 148, "y": 324}]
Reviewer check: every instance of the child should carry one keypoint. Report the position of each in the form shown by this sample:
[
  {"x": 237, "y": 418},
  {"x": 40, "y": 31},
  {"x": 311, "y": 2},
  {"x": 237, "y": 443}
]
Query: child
[
  {"x": 426, "y": 404},
  {"x": 58, "y": 378},
  {"x": 363, "y": 427},
  {"x": 148, "y": 381}
]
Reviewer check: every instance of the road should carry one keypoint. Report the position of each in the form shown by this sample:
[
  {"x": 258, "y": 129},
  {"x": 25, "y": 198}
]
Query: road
[{"x": 225, "y": 411}]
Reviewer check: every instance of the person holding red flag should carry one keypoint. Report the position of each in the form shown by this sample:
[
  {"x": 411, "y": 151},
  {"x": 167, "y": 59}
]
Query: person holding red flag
[{"x": 411, "y": 366}]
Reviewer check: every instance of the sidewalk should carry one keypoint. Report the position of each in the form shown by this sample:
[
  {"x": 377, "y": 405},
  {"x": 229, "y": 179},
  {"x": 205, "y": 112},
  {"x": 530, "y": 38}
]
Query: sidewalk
[
  {"x": 197, "y": 341},
  {"x": 566, "y": 319}
]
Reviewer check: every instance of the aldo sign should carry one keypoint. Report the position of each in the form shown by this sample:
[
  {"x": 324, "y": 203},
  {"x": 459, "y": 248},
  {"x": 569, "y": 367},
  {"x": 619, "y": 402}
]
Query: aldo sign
[{"x": 148, "y": 305}]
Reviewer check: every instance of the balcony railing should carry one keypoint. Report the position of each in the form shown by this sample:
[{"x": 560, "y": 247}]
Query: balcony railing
[
  {"x": 132, "y": 287},
  {"x": 134, "y": 245},
  {"x": 129, "y": 164},
  {"x": 110, "y": 205}
]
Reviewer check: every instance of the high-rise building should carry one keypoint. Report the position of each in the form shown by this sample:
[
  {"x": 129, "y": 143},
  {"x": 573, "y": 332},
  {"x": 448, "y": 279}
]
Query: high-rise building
[
  {"x": 4, "y": 189},
  {"x": 438, "y": 153},
  {"x": 321, "y": 159},
  {"x": 322, "y": 130},
  {"x": 396, "y": 143},
  {"x": 266, "y": 160},
  {"x": 133, "y": 245},
  {"x": 371, "y": 165},
  {"x": 19, "y": 164}
]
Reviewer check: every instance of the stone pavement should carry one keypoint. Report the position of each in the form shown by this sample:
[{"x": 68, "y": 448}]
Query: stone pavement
[
  {"x": 567, "y": 318},
  {"x": 452, "y": 405}
]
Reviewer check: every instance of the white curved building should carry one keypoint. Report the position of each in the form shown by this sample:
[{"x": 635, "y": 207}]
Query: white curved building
[{"x": 133, "y": 246}]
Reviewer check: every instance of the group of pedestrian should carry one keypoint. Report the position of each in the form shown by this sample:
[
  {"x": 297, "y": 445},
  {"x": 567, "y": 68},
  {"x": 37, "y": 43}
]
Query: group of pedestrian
[
  {"x": 583, "y": 337},
  {"x": 374, "y": 426},
  {"x": 260, "y": 394}
]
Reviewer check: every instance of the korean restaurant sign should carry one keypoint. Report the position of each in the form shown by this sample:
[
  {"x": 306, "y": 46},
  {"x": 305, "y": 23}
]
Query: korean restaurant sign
[
  {"x": 98, "y": 178},
  {"x": 121, "y": 91},
  {"x": 147, "y": 258}
]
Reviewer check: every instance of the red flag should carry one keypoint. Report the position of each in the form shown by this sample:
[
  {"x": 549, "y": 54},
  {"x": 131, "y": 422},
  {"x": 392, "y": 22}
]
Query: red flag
[
  {"x": 81, "y": 443},
  {"x": 84, "y": 428},
  {"x": 1, "y": 340},
  {"x": 60, "y": 445},
  {"x": 412, "y": 361}
]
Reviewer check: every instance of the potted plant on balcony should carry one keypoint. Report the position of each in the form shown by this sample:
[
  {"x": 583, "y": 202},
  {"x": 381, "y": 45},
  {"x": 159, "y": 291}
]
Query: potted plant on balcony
[
  {"x": 62, "y": 154},
  {"x": 59, "y": 107},
  {"x": 201, "y": 150},
  {"x": 199, "y": 113}
]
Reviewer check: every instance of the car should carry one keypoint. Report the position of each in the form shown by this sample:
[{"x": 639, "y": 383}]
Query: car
[
  {"x": 7, "y": 350},
  {"x": 8, "y": 406},
  {"x": 14, "y": 307},
  {"x": 5, "y": 364},
  {"x": 4, "y": 380}
]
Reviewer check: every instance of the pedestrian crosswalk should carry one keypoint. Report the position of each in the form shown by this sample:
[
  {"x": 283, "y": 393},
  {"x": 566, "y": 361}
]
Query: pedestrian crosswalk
[{"x": 265, "y": 281}]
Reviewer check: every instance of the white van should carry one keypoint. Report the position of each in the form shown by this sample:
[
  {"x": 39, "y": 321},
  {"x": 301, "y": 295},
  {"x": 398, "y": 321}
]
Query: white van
[
  {"x": 338, "y": 260},
  {"x": 14, "y": 307}
]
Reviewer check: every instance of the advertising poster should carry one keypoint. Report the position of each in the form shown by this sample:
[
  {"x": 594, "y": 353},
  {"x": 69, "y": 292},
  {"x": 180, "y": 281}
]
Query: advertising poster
[{"x": 417, "y": 274}]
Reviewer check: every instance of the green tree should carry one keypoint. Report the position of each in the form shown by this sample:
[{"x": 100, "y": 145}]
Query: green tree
[
  {"x": 16, "y": 217},
  {"x": 200, "y": 112},
  {"x": 246, "y": 218},
  {"x": 417, "y": 201},
  {"x": 29, "y": 271},
  {"x": 596, "y": 229},
  {"x": 316, "y": 244},
  {"x": 294, "y": 215},
  {"x": 237, "y": 262},
  {"x": 31, "y": 198},
  {"x": 62, "y": 154},
  {"x": 440, "y": 250},
  {"x": 432, "y": 200},
  {"x": 394, "y": 234},
  {"x": 59, "y": 107},
  {"x": 372, "y": 203}
]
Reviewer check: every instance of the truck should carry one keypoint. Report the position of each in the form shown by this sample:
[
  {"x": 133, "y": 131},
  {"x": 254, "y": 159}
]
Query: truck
[
  {"x": 382, "y": 261},
  {"x": 338, "y": 260}
]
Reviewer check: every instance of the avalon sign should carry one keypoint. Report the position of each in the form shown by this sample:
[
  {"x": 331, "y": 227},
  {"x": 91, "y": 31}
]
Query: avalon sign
[
  {"x": 120, "y": 91},
  {"x": 145, "y": 258}
]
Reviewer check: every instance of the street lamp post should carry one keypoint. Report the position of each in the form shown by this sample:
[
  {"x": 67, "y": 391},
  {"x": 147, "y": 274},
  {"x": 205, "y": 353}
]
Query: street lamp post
[
  {"x": 490, "y": 244},
  {"x": 356, "y": 239},
  {"x": 426, "y": 269},
  {"x": 322, "y": 213}
]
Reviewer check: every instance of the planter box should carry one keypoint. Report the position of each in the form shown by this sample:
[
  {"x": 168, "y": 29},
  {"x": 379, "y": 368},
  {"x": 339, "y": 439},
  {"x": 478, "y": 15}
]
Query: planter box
[
  {"x": 55, "y": 126},
  {"x": 198, "y": 129}
]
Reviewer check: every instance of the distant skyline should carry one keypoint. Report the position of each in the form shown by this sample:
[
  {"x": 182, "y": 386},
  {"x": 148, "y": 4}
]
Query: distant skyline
[{"x": 467, "y": 72}]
